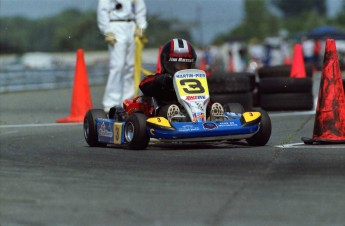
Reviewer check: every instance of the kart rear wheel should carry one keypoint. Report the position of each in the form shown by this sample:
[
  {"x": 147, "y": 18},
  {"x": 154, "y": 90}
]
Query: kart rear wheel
[
  {"x": 263, "y": 135},
  {"x": 90, "y": 127},
  {"x": 233, "y": 107},
  {"x": 136, "y": 135}
]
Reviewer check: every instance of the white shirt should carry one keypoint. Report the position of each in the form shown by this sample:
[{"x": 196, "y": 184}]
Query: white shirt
[{"x": 130, "y": 10}]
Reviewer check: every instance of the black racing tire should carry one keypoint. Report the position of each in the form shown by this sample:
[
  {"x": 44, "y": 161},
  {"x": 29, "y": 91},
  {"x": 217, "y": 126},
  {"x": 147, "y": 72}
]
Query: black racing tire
[
  {"x": 263, "y": 135},
  {"x": 286, "y": 101},
  {"x": 281, "y": 71},
  {"x": 252, "y": 81},
  {"x": 136, "y": 136},
  {"x": 233, "y": 107},
  {"x": 274, "y": 71},
  {"x": 90, "y": 127},
  {"x": 224, "y": 82},
  {"x": 344, "y": 84},
  {"x": 309, "y": 70},
  {"x": 245, "y": 99},
  {"x": 250, "y": 76},
  {"x": 286, "y": 85},
  {"x": 256, "y": 97}
]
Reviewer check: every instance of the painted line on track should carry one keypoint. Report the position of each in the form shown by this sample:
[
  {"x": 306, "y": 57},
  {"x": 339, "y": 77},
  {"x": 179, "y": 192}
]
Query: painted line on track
[
  {"x": 38, "y": 125},
  {"x": 314, "y": 146}
]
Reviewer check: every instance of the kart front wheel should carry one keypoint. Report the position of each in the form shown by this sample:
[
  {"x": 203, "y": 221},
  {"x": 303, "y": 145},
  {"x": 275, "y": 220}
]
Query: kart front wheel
[
  {"x": 136, "y": 135},
  {"x": 90, "y": 127},
  {"x": 263, "y": 135}
]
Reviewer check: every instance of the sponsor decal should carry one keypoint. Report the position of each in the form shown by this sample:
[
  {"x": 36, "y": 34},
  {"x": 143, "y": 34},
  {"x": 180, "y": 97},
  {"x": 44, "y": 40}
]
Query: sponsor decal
[
  {"x": 117, "y": 133},
  {"x": 184, "y": 60},
  {"x": 195, "y": 97},
  {"x": 190, "y": 76},
  {"x": 224, "y": 124},
  {"x": 210, "y": 125},
  {"x": 104, "y": 132},
  {"x": 152, "y": 131},
  {"x": 181, "y": 60},
  {"x": 196, "y": 116},
  {"x": 188, "y": 128}
]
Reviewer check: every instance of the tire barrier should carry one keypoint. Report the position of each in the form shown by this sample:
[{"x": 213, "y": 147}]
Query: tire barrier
[
  {"x": 245, "y": 99},
  {"x": 287, "y": 101},
  {"x": 281, "y": 71},
  {"x": 279, "y": 92},
  {"x": 286, "y": 85},
  {"x": 223, "y": 83},
  {"x": 235, "y": 87}
]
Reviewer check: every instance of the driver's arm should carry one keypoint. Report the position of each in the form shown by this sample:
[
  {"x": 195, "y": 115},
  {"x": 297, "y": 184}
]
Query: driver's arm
[{"x": 154, "y": 85}]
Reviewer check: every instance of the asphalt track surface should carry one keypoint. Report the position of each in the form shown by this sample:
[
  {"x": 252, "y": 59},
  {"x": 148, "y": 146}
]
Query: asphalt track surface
[{"x": 49, "y": 176}]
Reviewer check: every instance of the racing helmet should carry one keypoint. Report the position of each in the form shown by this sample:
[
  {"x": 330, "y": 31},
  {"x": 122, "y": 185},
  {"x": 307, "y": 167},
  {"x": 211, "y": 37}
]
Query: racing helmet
[{"x": 177, "y": 54}]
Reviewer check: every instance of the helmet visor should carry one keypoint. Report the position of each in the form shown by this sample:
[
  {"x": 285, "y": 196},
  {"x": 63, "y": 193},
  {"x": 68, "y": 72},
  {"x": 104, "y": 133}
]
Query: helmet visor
[{"x": 173, "y": 67}]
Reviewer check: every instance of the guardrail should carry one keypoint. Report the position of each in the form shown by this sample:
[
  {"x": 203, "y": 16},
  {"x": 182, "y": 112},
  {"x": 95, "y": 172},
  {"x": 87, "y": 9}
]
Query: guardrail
[
  {"x": 24, "y": 79},
  {"x": 34, "y": 79}
]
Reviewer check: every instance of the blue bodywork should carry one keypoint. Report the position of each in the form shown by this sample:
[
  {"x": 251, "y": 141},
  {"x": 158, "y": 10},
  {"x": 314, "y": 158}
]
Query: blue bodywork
[
  {"x": 112, "y": 132},
  {"x": 202, "y": 129}
]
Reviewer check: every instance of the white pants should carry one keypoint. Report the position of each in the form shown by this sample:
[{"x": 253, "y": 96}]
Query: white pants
[{"x": 120, "y": 84}]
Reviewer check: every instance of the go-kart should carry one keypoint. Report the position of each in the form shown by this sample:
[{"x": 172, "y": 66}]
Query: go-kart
[{"x": 136, "y": 122}]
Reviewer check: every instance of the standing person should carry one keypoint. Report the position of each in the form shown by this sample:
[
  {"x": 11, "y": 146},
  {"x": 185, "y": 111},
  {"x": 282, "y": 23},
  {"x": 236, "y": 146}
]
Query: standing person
[
  {"x": 308, "y": 50},
  {"x": 119, "y": 21}
]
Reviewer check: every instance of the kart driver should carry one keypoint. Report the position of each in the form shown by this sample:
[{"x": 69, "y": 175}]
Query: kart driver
[{"x": 160, "y": 86}]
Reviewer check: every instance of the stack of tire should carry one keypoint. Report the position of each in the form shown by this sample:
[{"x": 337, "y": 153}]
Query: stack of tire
[
  {"x": 279, "y": 92},
  {"x": 238, "y": 87}
]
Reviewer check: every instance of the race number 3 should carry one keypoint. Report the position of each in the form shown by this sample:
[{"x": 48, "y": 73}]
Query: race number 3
[{"x": 192, "y": 86}]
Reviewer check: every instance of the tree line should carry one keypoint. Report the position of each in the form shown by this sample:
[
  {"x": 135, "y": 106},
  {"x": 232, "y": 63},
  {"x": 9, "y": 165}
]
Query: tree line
[
  {"x": 74, "y": 29},
  {"x": 294, "y": 17},
  {"x": 70, "y": 30}
]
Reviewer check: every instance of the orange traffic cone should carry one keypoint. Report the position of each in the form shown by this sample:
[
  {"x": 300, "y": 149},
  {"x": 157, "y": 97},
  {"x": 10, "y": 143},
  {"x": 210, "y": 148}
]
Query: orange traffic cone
[
  {"x": 159, "y": 65},
  {"x": 81, "y": 97},
  {"x": 298, "y": 68},
  {"x": 329, "y": 124}
]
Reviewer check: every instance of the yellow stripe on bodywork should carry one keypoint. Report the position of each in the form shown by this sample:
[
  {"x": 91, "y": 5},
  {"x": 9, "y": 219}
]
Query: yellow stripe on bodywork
[
  {"x": 159, "y": 121},
  {"x": 251, "y": 117}
]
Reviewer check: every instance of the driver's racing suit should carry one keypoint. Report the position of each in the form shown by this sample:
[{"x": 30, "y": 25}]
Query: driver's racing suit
[{"x": 159, "y": 86}]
